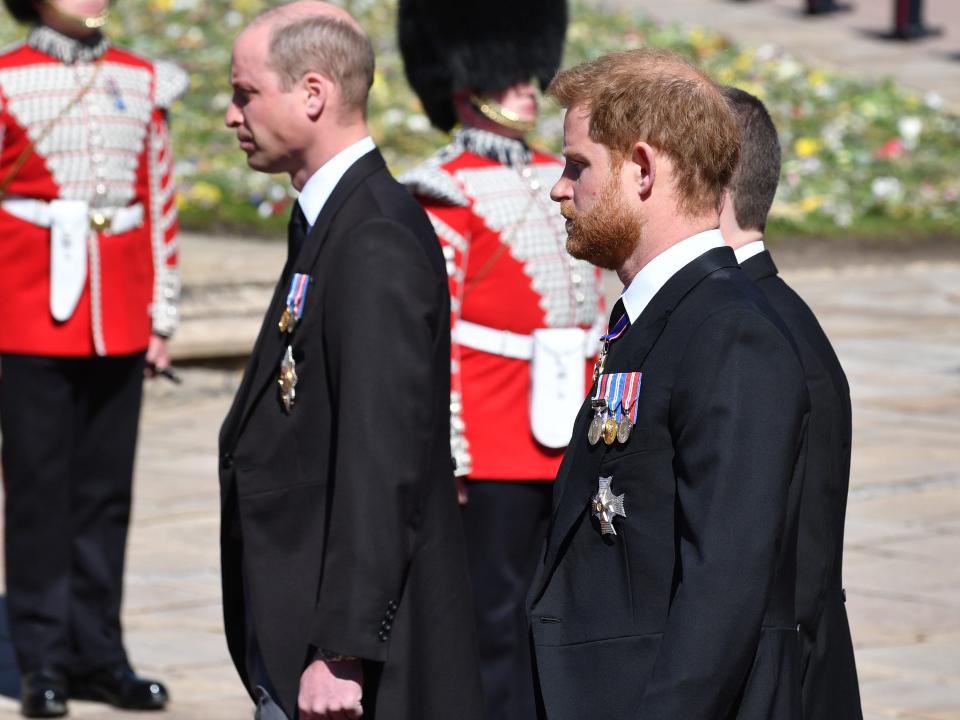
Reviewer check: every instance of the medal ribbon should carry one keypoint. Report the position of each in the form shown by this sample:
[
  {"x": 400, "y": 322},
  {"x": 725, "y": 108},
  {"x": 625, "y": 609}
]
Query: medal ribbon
[
  {"x": 298, "y": 294},
  {"x": 620, "y": 391},
  {"x": 617, "y": 330}
]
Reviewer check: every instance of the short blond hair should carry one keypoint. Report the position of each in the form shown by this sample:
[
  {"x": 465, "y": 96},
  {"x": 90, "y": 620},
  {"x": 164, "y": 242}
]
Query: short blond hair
[
  {"x": 657, "y": 97},
  {"x": 327, "y": 45}
]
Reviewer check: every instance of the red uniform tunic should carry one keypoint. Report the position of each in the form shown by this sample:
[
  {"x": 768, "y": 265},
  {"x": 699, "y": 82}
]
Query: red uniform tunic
[
  {"x": 96, "y": 116},
  {"x": 505, "y": 244}
]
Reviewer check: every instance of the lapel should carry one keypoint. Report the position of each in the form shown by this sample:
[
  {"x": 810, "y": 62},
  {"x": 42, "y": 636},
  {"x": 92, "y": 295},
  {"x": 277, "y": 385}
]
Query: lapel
[
  {"x": 760, "y": 266},
  {"x": 268, "y": 350},
  {"x": 577, "y": 477}
]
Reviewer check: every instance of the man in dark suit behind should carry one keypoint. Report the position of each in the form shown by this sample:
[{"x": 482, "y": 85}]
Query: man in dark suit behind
[
  {"x": 666, "y": 589},
  {"x": 829, "y": 674},
  {"x": 344, "y": 581}
]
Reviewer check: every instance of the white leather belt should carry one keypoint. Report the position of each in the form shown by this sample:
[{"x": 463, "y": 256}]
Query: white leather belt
[
  {"x": 510, "y": 344},
  {"x": 73, "y": 226},
  {"x": 109, "y": 221}
]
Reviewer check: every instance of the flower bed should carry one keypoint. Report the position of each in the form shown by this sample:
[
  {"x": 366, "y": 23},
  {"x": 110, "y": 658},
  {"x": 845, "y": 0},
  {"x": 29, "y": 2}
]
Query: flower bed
[{"x": 859, "y": 158}]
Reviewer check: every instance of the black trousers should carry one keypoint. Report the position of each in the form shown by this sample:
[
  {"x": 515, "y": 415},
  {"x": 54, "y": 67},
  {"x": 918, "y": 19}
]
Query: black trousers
[
  {"x": 505, "y": 524},
  {"x": 69, "y": 430}
]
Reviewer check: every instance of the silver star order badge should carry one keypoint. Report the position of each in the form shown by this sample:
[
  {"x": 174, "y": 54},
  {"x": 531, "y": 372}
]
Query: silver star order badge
[
  {"x": 288, "y": 380},
  {"x": 607, "y": 506}
]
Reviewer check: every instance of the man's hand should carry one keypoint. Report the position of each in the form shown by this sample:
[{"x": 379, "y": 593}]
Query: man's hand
[
  {"x": 331, "y": 691},
  {"x": 158, "y": 359}
]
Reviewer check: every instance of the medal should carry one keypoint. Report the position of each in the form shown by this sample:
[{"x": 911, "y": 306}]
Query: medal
[
  {"x": 626, "y": 424},
  {"x": 606, "y": 506},
  {"x": 593, "y": 434},
  {"x": 288, "y": 380},
  {"x": 596, "y": 425},
  {"x": 296, "y": 298},
  {"x": 609, "y": 430},
  {"x": 286, "y": 321}
]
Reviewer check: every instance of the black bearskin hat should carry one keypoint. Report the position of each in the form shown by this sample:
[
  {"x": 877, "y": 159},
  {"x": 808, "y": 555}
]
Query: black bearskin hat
[
  {"x": 481, "y": 45},
  {"x": 22, "y": 10}
]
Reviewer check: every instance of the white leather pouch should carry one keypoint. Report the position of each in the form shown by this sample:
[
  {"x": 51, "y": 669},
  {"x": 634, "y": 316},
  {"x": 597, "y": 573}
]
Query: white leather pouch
[
  {"x": 69, "y": 231},
  {"x": 557, "y": 384}
]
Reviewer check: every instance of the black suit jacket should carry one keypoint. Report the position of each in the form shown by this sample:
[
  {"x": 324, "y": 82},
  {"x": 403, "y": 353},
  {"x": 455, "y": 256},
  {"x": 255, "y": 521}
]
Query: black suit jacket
[
  {"x": 340, "y": 522},
  {"x": 688, "y": 611},
  {"x": 830, "y": 688}
]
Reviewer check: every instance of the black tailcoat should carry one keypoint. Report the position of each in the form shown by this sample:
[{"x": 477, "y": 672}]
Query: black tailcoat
[
  {"x": 830, "y": 688},
  {"x": 340, "y": 522},
  {"x": 688, "y": 611}
]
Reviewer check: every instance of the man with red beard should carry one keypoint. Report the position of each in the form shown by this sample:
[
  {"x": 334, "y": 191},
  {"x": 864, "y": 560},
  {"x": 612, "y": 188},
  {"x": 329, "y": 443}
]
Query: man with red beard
[{"x": 666, "y": 589}]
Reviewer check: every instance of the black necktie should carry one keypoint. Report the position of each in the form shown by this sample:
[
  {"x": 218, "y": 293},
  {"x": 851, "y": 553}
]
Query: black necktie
[
  {"x": 296, "y": 232},
  {"x": 616, "y": 314}
]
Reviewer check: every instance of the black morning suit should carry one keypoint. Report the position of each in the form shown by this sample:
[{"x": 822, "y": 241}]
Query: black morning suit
[
  {"x": 830, "y": 688},
  {"x": 688, "y": 612},
  {"x": 340, "y": 518}
]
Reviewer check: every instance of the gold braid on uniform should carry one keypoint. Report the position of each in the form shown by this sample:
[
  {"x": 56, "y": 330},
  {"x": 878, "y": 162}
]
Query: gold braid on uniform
[{"x": 499, "y": 114}]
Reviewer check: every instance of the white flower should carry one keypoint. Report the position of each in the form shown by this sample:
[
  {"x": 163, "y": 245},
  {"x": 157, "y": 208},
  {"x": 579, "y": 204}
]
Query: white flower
[
  {"x": 220, "y": 101},
  {"x": 265, "y": 209},
  {"x": 767, "y": 51},
  {"x": 788, "y": 68},
  {"x": 910, "y": 128},
  {"x": 418, "y": 123},
  {"x": 933, "y": 100},
  {"x": 233, "y": 19},
  {"x": 392, "y": 116},
  {"x": 886, "y": 187},
  {"x": 276, "y": 193}
]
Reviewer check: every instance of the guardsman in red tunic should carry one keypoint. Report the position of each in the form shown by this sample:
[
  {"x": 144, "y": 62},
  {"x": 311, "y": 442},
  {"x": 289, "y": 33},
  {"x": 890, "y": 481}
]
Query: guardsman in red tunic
[
  {"x": 525, "y": 314},
  {"x": 88, "y": 291}
]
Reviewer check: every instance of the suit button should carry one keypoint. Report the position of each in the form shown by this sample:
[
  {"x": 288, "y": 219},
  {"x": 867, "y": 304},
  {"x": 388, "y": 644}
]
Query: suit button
[
  {"x": 382, "y": 636},
  {"x": 385, "y": 625},
  {"x": 392, "y": 606},
  {"x": 226, "y": 461}
]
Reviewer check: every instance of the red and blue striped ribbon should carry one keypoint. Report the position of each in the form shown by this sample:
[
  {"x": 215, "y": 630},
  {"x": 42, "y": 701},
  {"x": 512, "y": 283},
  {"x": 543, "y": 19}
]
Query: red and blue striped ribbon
[{"x": 298, "y": 294}]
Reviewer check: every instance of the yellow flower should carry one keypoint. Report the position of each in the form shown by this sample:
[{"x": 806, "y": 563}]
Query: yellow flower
[
  {"x": 811, "y": 204},
  {"x": 161, "y": 5},
  {"x": 698, "y": 36},
  {"x": 806, "y": 147},
  {"x": 816, "y": 78},
  {"x": 204, "y": 194},
  {"x": 744, "y": 61},
  {"x": 726, "y": 75}
]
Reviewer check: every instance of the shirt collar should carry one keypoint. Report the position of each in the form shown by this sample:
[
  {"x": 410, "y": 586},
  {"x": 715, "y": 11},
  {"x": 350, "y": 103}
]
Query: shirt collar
[
  {"x": 317, "y": 189},
  {"x": 67, "y": 49},
  {"x": 655, "y": 274},
  {"x": 745, "y": 252}
]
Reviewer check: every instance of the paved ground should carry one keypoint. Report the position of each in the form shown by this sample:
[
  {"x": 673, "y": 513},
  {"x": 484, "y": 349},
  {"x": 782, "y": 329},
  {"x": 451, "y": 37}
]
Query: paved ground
[
  {"x": 897, "y": 331},
  {"x": 845, "y": 41}
]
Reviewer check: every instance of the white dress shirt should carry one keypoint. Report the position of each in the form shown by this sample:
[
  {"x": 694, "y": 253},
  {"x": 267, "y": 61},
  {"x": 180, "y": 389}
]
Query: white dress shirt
[
  {"x": 317, "y": 189},
  {"x": 664, "y": 266},
  {"x": 749, "y": 250}
]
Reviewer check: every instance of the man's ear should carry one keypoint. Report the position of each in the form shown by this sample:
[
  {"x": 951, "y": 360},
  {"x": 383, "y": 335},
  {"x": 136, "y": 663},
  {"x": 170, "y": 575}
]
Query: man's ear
[
  {"x": 317, "y": 88},
  {"x": 643, "y": 168}
]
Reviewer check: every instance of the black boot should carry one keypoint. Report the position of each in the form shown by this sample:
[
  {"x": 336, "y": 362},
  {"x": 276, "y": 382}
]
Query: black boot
[
  {"x": 121, "y": 687},
  {"x": 43, "y": 694}
]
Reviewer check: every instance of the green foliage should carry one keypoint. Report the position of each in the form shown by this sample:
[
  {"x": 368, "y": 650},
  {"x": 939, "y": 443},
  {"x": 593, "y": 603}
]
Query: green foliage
[{"x": 859, "y": 158}]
